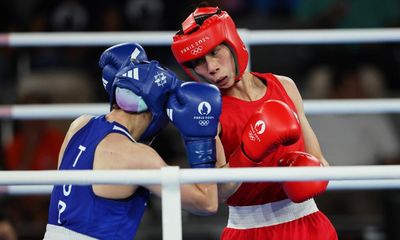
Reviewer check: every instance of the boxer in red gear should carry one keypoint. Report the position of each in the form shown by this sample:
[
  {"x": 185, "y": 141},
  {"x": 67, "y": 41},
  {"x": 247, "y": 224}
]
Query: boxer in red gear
[{"x": 209, "y": 48}]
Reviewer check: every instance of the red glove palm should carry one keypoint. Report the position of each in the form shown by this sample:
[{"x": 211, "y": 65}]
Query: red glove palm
[{"x": 301, "y": 191}]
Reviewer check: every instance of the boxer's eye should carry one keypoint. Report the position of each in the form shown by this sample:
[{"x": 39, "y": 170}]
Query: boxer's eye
[{"x": 198, "y": 62}]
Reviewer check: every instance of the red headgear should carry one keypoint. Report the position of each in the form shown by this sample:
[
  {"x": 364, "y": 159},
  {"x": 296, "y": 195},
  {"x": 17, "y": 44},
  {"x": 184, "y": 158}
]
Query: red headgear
[{"x": 196, "y": 40}]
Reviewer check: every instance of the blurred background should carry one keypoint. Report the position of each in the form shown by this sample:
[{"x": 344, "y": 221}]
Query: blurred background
[{"x": 321, "y": 71}]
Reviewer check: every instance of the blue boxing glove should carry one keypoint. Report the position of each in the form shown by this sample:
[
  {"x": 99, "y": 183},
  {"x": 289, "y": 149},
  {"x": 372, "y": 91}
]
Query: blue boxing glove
[
  {"x": 194, "y": 108},
  {"x": 113, "y": 58},
  {"x": 152, "y": 83}
]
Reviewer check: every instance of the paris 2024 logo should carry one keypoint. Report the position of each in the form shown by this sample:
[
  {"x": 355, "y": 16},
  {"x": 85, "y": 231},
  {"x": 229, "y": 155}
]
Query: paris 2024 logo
[{"x": 204, "y": 109}]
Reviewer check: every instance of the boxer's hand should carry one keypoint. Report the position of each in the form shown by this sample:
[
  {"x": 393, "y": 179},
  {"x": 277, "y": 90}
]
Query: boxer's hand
[
  {"x": 115, "y": 57},
  {"x": 194, "y": 108},
  {"x": 301, "y": 191},
  {"x": 273, "y": 125}
]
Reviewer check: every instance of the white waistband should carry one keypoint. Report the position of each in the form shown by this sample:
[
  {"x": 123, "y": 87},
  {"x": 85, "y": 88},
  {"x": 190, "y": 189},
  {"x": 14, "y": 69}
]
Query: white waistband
[
  {"x": 54, "y": 232},
  {"x": 269, "y": 214}
]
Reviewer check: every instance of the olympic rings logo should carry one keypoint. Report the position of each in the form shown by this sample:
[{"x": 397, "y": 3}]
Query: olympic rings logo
[
  {"x": 196, "y": 50},
  {"x": 204, "y": 123}
]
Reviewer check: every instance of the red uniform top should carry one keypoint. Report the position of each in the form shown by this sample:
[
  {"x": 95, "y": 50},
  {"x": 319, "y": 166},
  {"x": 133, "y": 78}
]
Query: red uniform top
[{"x": 235, "y": 114}]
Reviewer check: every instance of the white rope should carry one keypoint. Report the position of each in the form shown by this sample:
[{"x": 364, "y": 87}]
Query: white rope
[
  {"x": 323, "y": 36},
  {"x": 342, "y": 177},
  {"x": 170, "y": 177},
  {"x": 67, "y": 111},
  {"x": 187, "y": 176},
  {"x": 352, "y": 106},
  {"x": 278, "y": 174},
  {"x": 26, "y": 189},
  {"x": 385, "y": 184},
  {"x": 81, "y": 177},
  {"x": 164, "y": 38},
  {"x": 52, "y": 111}
]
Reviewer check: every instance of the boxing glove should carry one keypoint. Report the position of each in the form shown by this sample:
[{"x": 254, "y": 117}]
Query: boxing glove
[
  {"x": 115, "y": 57},
  {"x": 273, "y": 125},
  {"x": 301, "y": 191},
  {"x": 194, "y": 108},
  {"x": 153, "y": 83}
]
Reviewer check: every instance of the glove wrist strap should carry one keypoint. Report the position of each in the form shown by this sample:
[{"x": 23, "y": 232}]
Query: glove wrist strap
[{"x": 201, "y": 152}]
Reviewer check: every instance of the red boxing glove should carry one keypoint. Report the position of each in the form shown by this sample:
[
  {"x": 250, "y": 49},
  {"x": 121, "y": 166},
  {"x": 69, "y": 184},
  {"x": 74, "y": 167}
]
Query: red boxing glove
[
  {"x": 301, "y": 191},
  {"x": 274, "y": 124}
]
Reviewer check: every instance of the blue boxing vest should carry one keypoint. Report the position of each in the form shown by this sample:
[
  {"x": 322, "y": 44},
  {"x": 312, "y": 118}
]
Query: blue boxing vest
[{"x": 77, "y": 207}]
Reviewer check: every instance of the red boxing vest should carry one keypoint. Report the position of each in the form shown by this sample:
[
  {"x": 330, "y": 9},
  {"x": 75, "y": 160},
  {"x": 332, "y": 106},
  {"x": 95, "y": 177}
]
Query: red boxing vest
[{"x": 235, "y": 114}]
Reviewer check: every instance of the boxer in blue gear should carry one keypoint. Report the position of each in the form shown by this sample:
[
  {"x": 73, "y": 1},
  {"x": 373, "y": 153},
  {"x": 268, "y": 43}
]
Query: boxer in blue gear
[
  {"x": 108, "y": 142},
  {"x": 119, "y": 64}
]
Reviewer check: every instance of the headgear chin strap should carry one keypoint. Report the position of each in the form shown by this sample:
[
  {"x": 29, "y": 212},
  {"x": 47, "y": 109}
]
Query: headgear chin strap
[
  {"x": 148, "y": 82},
  {"x": 201, "y": 32}
]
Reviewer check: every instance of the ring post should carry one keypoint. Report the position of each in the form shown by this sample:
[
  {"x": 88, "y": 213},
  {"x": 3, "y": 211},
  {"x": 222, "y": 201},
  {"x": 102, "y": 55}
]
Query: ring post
[{"x": 171, "y": 204}]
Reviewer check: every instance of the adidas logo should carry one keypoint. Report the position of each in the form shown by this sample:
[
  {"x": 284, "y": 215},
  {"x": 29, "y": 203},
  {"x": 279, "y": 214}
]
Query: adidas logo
[{"x": 132, "y": 74}]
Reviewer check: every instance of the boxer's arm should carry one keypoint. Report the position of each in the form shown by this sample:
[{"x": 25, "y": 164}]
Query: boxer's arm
[
  {"x": 199, "y": 199},
  {"x": 118, "y": 152},
  {"x": 311, "y": 142},
  {"x": 301, "y": 191},
  {"x": 225, "y": 190}
]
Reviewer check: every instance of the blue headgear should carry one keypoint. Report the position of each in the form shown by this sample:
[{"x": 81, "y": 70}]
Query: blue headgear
[{"x": 149, "y": 82}]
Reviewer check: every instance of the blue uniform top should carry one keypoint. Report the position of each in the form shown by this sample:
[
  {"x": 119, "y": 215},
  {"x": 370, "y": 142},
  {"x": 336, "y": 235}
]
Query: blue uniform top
[{"x": 78, "y": 208}]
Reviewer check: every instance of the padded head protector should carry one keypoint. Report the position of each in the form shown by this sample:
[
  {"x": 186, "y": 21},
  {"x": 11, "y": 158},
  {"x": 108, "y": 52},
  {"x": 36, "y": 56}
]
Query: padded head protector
[{"x": 201, "y": 32}]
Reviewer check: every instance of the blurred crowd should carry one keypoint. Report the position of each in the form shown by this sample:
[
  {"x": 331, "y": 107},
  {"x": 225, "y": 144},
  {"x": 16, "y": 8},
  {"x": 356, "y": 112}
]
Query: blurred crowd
[{"x": 321, "y": 71}]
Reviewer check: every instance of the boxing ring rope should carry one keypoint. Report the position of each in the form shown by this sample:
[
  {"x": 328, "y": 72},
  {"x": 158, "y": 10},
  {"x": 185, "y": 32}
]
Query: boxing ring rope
[
  {"x": 171, "y": 177},
  {"x": 159, "y": 38},
  {"x": 67, "y": 111},
  {"x": 339, "y": 184}
]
